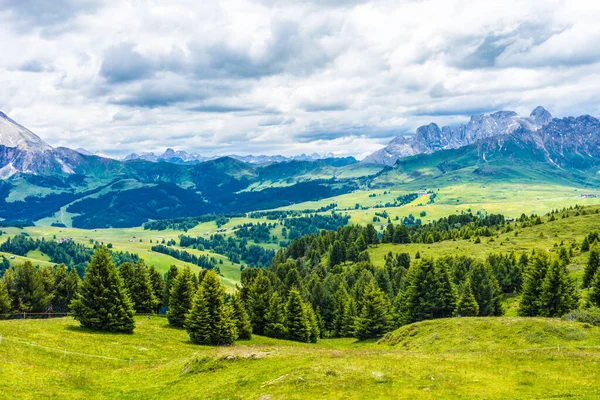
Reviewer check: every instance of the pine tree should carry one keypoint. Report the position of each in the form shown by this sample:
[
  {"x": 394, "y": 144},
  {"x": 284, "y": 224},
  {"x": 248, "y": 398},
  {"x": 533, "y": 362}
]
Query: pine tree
[
  {"x": 30, "y": 289},
  {"x": 594, "y": 293},
  {"x": 102, "y": 302},
  {"x": 558, "y": 295},
  {"x": 4, "y": 299},
  {"x": 486, "y": 290},
  {"x": 446, "y": 292},
  {"x": 296, "y": 319},
  {"x": 61, "y": 300},
  {"x": 312, "y": 322},
  {"x": 141, "y": 291},
  {"x": 210, "y": 321},
  {"x": 535, "y": 273},
  {"x": 275, "y": 318},
  {"x": 127, "y": 274},
  {"x": 259, "y": 295},
  {"x": 343, "y": 318},
  {"x": 467, "y": 305},
  {"x": 591, "y": 267},
  {"x": 180, "y": 300},
  {"x": 169, "y": 279},
  {"x": 9, "y": 282},
  {"x": 73, "y": 285},
  {"x": 373, "y": 319},
  {"x": 158, "y": 287},
  {"x": 244, "y": 327},
  {"x": 338, "y": 253}
]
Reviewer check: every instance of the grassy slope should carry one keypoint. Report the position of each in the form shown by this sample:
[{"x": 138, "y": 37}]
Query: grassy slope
[
  {"x": 455, "y": 358},
  {"x": 540, "y": 237}
]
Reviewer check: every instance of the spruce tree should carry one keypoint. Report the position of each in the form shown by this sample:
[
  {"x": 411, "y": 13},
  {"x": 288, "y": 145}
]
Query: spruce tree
[
  {"x": 30, "y": 289},
  {"x": 158, "y": 287},
  {"x": 296, "y": 318},
  {"x": 180, "y": 300},
  {"x": 446, "y": 292},
  {"x": 141, "y": 291},
  {"x": 73, "y": 285},
  {"x": 486, "y": 289},
  {"x": 259, "y": 296},
  {"x": 4, "y": 299},
  {"x": 169, "y": 279},
  {"x": 467, "y": 305},
  {"x": 373, "y": 319},
  {"x": 535, "y": 273},
  {"x": 9, "y": 282},
  {"x": 591, "y": 267},
  {"x": 211, "y": 321},
  {"x": 338, "y": 253},
  {"x": 558, "y": 295},
  {"x": 343, "y": 318},
  {"x": 61, "y": 300},
  {"x": 242, "y": 321},
  {"x": 102, "y": 303},
  {"x": 594, "y": 293},
  {"x": 312, "y": 322},
  {"x": 275, "y": 318},
  {"x": 127, "y": 274}
]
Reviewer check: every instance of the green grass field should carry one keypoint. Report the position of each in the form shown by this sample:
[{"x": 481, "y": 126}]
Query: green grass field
[{"x": 469, "y": 358}]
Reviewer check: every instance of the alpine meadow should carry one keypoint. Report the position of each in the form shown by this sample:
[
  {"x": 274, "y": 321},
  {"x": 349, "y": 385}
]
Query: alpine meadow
[{"x": 252, "y": 199}]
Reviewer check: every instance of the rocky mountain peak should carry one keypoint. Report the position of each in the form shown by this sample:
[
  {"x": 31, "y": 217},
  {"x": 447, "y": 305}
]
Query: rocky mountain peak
[
  {"x": 15, "y": 135},
  {"x": 540, "y": 115}
]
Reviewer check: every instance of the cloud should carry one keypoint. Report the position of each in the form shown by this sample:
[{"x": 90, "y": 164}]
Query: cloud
[{"x": 239, "y": 76}]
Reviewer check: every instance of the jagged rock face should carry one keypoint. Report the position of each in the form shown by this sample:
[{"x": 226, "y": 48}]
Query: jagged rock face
[
  {"x": 14, "y": 135},
  {"x": 430, "y": 138}
]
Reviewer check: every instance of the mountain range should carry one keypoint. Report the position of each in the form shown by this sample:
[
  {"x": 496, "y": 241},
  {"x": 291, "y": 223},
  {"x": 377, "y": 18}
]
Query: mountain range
[
  {"x": 65, "y": 186},
  {"x": 431, "y": 138}
]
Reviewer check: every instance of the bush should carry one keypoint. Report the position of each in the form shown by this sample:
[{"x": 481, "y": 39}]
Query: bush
[{"x": 590, "y": 316}]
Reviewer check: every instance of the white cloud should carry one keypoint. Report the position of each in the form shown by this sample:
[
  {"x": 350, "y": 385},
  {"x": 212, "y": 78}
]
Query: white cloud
[{"x": 286, "y": 77}]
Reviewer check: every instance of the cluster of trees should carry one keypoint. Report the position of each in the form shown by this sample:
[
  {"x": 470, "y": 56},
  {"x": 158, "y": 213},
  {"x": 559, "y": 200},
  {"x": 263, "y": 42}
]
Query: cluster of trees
[
  {"x": 258, "y": 233},
  {"x": 36, "y": 290},
  {"x": 309, "y": 224},
  {"x": 453, "y": 227},
  {"x": 70, "y": 253},
  {"x": 186, "y": 223},
  {"x": 236, "y": 251},
  {"x": 201, "y": 260},
  {"x": 202, "y": 308}
]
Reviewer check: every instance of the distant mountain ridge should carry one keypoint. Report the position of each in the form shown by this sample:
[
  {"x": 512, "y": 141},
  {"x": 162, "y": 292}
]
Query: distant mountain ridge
[
  {"x": 431, "y": 138},
  {"x": 183, "y": 157}
]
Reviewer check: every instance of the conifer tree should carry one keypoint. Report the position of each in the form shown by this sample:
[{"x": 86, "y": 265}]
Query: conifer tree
[
  {"x": 210, "y": 321},
  {"x": 343, "y": 318},
  {"x": 30, "y": 290},
  {"x": 535, "y": 273},
  {"x": 591, "y": 267},
  {"x": 4, "y": 299},
  {"x": 61, "y": 300},
  {"x": 158, "y": 287},
  {"x": 594, "y": 293},
  {"x": 9, "y": 282},
  {"x": 73, "y": 285},
  {"x": 275, "y": 318},
  {"x": 446, "y": 291},
  {"x": 296, "y": 318},
  {"x": 313, "y": 323},
  {"x": 558, "y": 295},
  {"x": 180, "y": 300},
  {"x": 486, "y": 289},
  {"x": 259, "y": 295},
  {"x": 127, "y": 274},
  {"x": 169, "y": 279},
  {"x": 373, "y": 319},
  {"x": 242, "y": 321},
  {"x": 338, "y": 253},
  {"x": 467, "y": 305},
  {"x": 141, "y": 291},
  {"x": 102, "y": 303}
]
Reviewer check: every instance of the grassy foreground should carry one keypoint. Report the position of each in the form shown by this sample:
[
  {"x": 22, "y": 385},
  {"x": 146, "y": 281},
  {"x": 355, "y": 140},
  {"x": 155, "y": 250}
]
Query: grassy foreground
[{"x": 455, "y": 358}]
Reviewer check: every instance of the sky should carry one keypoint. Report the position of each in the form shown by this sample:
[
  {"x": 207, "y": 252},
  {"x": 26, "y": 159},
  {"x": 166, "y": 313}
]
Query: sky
[{"x": 286, "y": 77}]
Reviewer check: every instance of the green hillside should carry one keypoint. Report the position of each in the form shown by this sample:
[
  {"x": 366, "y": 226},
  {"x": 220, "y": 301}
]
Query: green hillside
[{"x": 456, "y": 358}]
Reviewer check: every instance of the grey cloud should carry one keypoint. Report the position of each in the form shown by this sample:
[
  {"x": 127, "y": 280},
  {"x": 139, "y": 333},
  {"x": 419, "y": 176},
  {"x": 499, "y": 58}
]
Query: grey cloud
[
  {"x": 123, "y": 63},
  {"x": 35, "y": 66}
]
